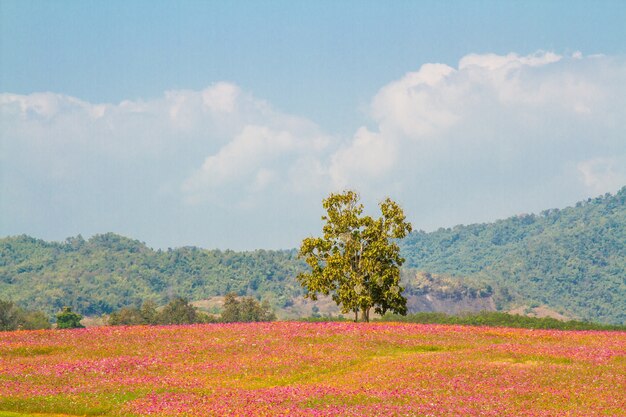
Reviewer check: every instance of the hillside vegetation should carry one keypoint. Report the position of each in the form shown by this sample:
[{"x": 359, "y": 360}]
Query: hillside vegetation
[
  {"x": 572, "y": 260},
  {"x": 106, "y": 272}
]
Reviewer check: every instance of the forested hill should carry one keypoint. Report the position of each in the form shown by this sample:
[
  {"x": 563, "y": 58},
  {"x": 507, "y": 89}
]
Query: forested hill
[
  {"x": 573, "y": 260},
  {"x": 108, "y": 271}
]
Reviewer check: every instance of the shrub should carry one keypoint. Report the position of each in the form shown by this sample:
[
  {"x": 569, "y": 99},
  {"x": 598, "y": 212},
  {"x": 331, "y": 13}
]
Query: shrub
[{"x": 67, "y": 319}]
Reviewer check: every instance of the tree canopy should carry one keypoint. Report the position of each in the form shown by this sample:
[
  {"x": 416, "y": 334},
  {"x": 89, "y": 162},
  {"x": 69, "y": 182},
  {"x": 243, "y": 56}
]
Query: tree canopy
[
  {"x": 357, "y": 260},
  {"x": 67, "y": 319},
  {"x": 179, "y": 311},
  {"x": 13, "y": 317},
  {"x": 245, "y": 309}
]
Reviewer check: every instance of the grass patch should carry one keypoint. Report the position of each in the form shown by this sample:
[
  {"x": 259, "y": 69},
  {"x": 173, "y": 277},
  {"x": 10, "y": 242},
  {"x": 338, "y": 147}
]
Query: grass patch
[
  {"x": 532, "y": 360},
  {"x": 64, "y": 405},
  {"x": 26, "y": 351},
  {"x": 423, "y": 348}
]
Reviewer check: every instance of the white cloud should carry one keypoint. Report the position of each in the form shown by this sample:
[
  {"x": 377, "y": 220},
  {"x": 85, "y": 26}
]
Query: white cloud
[
  {"x": 493, "y": 62},
  {"x": 407, "y": 107},
  {"x": 222, "y": 97},
  {"x": 602, "y": 174},
  {"x": 43, "y": 106},
  {"x": 254, "y": 146},
  {"x": 255, "y": 158},
  {"x": 495, "y": 135},
  {"x": 367, "y": 158}
]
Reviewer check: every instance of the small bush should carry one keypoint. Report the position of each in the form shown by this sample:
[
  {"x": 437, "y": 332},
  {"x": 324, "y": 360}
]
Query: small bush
[{"x": 67, "y": 319}]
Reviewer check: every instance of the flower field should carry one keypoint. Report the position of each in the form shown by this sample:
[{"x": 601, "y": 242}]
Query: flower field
[{"x": 312, "y": 369}]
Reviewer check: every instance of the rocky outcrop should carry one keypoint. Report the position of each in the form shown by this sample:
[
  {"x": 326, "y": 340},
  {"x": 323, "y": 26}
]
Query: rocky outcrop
[{"x": 433, "y": 303}]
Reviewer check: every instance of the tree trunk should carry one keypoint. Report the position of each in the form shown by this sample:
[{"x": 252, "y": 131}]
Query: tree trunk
[
  {"x": 366, "y": 314},
  {"x": 356, "y": 315}
]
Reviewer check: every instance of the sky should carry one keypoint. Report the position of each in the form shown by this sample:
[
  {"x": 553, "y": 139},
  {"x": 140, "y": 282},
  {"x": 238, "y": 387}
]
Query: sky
[{"x": 225, "y": 124}]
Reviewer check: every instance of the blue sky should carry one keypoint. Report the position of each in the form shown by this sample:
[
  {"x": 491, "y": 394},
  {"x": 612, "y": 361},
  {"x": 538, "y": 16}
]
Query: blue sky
[{"x": 223, "y": 124}]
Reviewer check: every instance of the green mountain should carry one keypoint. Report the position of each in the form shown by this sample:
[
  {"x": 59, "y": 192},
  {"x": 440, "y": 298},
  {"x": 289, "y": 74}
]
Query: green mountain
[{"x": 571, "y": 260}]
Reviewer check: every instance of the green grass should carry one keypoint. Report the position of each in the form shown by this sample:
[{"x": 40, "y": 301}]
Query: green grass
[
  {"x": 29, "y": 351},
  {"x": 65, "y": 406}
]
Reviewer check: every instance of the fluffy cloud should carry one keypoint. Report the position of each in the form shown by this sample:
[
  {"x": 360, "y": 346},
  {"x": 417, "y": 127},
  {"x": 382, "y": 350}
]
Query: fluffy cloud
[
  {"x": 489, "y": 137},
  {"x": 499, "y": 127},
  {"x": 182, "y": 126},
  {"x": 70, "y": 166},
  {"x": 251, "y": 162},
  {"x": 420, "y": 103},
  {"x": 602, "y": 174},
  {"x": 367, "y": 158}
]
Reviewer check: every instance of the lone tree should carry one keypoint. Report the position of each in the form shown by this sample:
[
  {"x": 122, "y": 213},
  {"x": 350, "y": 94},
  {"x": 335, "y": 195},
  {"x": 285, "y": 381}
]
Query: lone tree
[{"x": 357, "y": 260}]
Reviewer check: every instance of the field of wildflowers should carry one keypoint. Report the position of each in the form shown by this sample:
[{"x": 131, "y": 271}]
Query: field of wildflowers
[{"x": 312, "y": 369}]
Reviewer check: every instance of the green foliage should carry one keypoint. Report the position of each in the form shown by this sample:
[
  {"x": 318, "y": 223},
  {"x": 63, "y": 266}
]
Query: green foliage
[
  {"x": 127, "y": 316},
  {"x": 109, "y": 272},
  {"x": 133, "y": 316},
  {"x": 357, "y": 261},
  {"x": 179, "y": 311},
  {"x": 34, "y": 320},
  {"x": 67, "y": 319},
  {"x": 572, "y": 260},
  {"x": 245, "y": 309},
  {"x": 148, "y": 313},
  {"x": 13, "y": 317},
  {"x": 499, "y": 319},
  {"x": 9, "y": 316}
]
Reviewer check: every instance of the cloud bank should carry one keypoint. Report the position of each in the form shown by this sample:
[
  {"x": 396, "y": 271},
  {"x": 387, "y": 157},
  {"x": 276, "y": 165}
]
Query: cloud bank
[{"x": 491, "y": 137}]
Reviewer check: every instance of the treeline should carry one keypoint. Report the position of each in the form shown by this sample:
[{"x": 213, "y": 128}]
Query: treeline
[
  {"x": 177, "y": 311},
  {"x": 572, "y": 260},
  {"x": 180, "y": 311},
  {"x": 13, "y": 317},
  {"x": 499, "y": 319}
]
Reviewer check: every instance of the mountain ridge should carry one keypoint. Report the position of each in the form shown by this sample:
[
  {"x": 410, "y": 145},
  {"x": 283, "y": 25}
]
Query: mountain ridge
[{"x": 572, "y": 260}]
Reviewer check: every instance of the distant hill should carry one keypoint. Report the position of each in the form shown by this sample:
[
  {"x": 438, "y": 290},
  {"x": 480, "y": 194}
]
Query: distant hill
[
  {"x": 109, "y": 271},
  {"x": 572, "y": 261}
]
